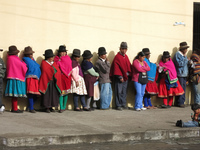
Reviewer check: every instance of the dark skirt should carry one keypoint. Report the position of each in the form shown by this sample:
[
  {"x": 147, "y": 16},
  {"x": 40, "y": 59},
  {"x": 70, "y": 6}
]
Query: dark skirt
[
  {"x": 89, "y": 83},
  {"x": 51, "y": 97}
]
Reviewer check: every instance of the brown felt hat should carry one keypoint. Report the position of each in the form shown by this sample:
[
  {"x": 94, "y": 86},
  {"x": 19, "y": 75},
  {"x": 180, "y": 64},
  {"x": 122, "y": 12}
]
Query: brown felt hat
[
  {"x": 12, "y": 50},
  {"x": 28, "y": 50}
]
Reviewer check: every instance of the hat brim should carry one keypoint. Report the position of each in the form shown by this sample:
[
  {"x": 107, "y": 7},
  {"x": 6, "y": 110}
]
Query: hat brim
[
  {"x": 123, "y": 47},
  {"x": 147, "y": 53},
  {"x": 87, "y": 57},
  {"x": 29, "y": 52},
  {"x": 102, "y": 53},
  {"x": 14, "y": 52},
  {"x": 49, "y": 55},
  {"x": 166, "y": 56},
  {"x": 76, "y": 55},
  {"x": 183, "y": 47},
  {"x": 62, "y": 51}
]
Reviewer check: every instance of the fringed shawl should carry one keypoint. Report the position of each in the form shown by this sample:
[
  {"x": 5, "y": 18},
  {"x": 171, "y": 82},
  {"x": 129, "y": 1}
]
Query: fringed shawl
[
  {"x": 16, "y": 69},
  {"x": 65, "y": 64},
  {"x": 33, "y": 68},
  {"x": 170, "y": 68},
  {"x": 152, "y": 73}
]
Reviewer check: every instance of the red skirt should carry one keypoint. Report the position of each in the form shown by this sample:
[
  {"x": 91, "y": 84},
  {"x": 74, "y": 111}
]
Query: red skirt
[
  {"x": 151, "y": 88},
  {"x": 32, "y": 86},
  {"x": 163, "y": 92},
  {"x": 66, "y": 84}
]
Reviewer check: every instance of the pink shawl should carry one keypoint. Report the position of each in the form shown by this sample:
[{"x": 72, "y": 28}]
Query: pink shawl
[
  {"x": 16, "y": 69},
  {"x": 169, "y": 66},
  {"x": 65, "y": 64}
]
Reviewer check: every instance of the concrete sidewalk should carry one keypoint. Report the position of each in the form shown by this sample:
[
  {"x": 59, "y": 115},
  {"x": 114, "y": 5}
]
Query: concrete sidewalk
[{"x": 71, "y": 127}]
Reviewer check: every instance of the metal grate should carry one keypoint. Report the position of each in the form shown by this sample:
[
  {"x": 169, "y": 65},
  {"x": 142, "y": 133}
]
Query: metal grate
[{"x": 196, "y": 26}]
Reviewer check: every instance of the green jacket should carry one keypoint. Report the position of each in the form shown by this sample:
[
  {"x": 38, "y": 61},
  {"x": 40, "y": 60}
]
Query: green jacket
[{"x": 2, "y": 68}]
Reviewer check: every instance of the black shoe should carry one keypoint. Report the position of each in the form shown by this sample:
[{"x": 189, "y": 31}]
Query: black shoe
[
  {"x": 164, "y": 106},
  {"x": 32, "y": 111},
  {"x": 48, "y": 110},
  {"x": 86, "y": 109},
  {"x": 182, "y": 106},
  {"x": 168, "y": 106},
  {"x": 119, "y": 108},
  {"x": 179, "y": 123},
  {"x": 17, "y": 111},
  {"x": 52, "y": 110},
  {"x": 124, "y": 107}
]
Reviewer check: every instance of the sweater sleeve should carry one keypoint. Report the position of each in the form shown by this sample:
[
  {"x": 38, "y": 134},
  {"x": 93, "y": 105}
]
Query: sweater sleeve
[
  {"x": 140, "y": 69},
  {"x": 92, "y": 72}
]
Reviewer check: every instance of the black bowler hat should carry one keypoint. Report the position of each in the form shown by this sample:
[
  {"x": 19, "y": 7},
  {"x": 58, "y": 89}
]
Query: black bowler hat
[
  {"x": 87, "y": 54},
  {"x": 48, "y": 53},
  {"x": 102, "y": 51},
  {"x": 183, "y": 45},
  {"x": 62, "y": 48},
  {"x": 146, "y": 51},
  {"x": 76, "y": 53},
  {"x": 123, "y": 45},
  {"x": 166, "y": 54}
]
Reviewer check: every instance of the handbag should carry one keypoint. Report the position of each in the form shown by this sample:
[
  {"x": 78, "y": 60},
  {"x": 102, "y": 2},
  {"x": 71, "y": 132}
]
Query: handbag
[{"x": 143, "y": 78}]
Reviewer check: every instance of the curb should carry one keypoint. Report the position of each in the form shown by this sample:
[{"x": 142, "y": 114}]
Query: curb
[{"x": 98, "y": 138}]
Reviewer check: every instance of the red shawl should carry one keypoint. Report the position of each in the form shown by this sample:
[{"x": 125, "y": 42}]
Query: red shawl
[
  {"x": 120, "y": 66},
  {"x": 49, "y": 72}
]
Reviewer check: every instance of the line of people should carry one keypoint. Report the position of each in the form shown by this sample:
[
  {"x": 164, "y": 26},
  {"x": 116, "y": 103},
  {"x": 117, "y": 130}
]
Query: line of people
[{"x": 60, "y": 75}]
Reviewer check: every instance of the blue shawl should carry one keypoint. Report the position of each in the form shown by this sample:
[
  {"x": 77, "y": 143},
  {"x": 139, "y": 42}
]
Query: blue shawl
[
  {"x": 33, "y": 68},
  {"x": 152, "y": 73},
  {"x": 86, "y": 65}
]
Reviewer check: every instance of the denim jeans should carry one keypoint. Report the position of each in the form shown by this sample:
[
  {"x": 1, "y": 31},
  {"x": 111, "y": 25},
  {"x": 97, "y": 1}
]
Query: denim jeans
[
  {"x": 180, "y": 100},
  {"x": 82, "y": 98},
  {"x": 105, "y": 95},
  {"x": 196, "y": 88},
  {"x": 140, "y": 89},
  {"x": 191, "y": 124}
]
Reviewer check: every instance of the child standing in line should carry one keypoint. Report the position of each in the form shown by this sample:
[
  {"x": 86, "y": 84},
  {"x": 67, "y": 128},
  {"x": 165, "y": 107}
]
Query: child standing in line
[
  {"x": 103, "y": 68},
  {"x": 78, "y": 87},
  {"x": 16, "y": 72},
  {"x": 2, "y": 75},
  {"x": 32, "y": 77},
  {"x": 151, "y": 87},
  {"x": 169, "y": 85},
  {"x": 90, "y": 75},
  {"x": 195, "y": 118},
  {"x": 50, "y": 84},
  {"x": 64, "y": 62}
]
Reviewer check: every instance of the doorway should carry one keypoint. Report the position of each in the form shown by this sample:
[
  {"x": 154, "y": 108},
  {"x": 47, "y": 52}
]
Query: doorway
[{"x": 196, "y": 26}]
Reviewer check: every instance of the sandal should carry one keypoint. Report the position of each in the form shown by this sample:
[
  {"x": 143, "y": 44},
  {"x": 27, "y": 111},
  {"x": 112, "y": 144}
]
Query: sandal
[{"x": 77, "y": 109}]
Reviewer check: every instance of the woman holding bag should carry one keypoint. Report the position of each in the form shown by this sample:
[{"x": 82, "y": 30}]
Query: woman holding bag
[{"x": 140, "y": 79}]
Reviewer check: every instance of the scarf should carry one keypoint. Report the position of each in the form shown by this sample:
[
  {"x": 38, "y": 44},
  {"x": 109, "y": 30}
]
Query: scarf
[
  {"x": 170, "y": 68},
  {"x": 75, "y": 64},
  {"x": 33, "y": 68},
  {"x": 65, "y": 64},
  {"x": 152, "y": 73},
  {"x": 16, "y": 69}
]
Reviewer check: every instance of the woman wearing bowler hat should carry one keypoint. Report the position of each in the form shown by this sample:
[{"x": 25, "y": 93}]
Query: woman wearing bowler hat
[
  {"x": 168, "y": 85},
  {"x": 90, "y": 75},
  {"x": 16, "y": 71},
  {"x": 32, "y": 77},
  {"x": 64, "y": 62},
  {"x": 50, "y": 84},
  {"x": 78, "y": 87}
]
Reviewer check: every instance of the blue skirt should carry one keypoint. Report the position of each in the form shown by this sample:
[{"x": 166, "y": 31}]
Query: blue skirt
[{"x": 15, "y": 88}]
